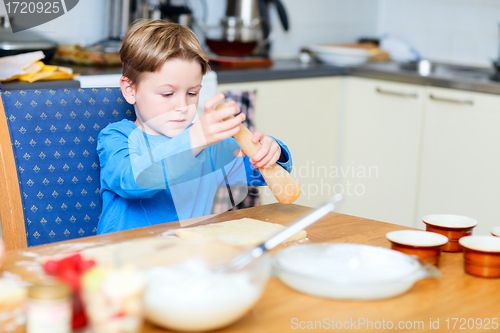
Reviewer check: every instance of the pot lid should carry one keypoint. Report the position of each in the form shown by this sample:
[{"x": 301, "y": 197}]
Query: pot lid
[
  {"x": 23, "y": 40},
  {"x": 25, "y": 45}
]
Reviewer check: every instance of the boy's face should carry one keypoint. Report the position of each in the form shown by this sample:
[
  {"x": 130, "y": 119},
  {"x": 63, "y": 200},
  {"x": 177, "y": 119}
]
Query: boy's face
[{"x": 166, "y": 101}]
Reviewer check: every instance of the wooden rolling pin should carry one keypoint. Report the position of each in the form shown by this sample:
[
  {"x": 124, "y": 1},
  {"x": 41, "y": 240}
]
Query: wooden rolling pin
[{"x": 285, "y": 188}]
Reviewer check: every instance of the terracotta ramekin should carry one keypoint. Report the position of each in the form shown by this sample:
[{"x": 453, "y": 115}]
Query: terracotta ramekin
[
  {"x": 495, "y": 231},
  {"x": 453, "y": 227},
  {"x": 425, "y": 245},
  {"x": 481, "y": 255}
]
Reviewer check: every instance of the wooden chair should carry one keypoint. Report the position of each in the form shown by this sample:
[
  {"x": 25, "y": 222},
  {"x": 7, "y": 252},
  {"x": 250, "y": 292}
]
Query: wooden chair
[{"x": 49, "y": 168}]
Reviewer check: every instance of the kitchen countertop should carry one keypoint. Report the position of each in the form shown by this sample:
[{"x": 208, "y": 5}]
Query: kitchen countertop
[
  {"x": 280, "y": 70},
  {"x": 52, "y": 84},
  {"x": 443, "y": 75}
]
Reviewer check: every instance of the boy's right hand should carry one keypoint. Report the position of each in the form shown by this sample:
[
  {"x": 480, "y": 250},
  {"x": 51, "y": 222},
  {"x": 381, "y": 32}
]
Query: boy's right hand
[{"x": 211, "y": 127}]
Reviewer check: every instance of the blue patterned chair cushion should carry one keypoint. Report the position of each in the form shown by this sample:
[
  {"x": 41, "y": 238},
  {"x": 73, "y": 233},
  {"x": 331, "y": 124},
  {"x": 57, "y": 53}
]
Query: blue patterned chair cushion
[{"x": 54, "y": 135}]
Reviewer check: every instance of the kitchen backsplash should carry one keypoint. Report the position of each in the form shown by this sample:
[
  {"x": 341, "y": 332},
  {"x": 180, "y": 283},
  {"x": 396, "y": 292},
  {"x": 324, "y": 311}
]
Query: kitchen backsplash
[
  {"x": 323, "y": 21},
  {"x": 457, "y": 31},
  {"x": 86, "y": 24}
]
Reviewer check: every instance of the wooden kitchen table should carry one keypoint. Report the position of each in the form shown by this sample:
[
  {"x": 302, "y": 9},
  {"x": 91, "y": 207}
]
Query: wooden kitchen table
[{"x": 452, "y": 302}]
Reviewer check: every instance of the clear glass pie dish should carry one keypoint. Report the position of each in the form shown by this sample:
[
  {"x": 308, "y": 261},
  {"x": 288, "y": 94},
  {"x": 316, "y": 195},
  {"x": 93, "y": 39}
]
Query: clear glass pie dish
[{"x": 349, "y": 271}]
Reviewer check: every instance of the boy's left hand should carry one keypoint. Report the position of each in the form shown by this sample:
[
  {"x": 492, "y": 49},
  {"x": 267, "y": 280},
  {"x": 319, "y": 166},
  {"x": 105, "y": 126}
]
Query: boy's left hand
[{"x": 267, "y": 155}]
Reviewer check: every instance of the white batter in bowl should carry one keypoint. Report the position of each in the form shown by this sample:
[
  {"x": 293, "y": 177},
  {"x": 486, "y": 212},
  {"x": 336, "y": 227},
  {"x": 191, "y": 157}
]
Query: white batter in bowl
[{"x": 186, "y": 292}]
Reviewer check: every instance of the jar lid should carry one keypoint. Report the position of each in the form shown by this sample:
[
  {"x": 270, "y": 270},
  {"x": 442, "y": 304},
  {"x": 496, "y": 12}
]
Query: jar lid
[{"x": 48, "y": 289}]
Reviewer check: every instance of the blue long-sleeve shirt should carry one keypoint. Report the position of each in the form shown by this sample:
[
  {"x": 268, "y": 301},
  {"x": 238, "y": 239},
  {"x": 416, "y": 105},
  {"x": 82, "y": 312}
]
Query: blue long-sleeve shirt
[{"x": 151, "y": 179}]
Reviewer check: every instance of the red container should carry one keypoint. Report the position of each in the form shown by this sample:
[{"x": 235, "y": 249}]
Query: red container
[
  {"x": 430, "y": 254},
  {"x": 424, "y": 245},
  {"x": 481, "y": 256},
  {"x": 453, "y": 227}
]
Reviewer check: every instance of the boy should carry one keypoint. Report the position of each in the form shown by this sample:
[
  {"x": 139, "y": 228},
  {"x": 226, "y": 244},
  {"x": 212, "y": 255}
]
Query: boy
[{"x": 167, "y": 165}]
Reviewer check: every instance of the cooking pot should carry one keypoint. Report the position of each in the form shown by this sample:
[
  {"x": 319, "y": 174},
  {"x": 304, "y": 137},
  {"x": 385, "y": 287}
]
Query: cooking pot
[
  {"x": 232, "y": 38},
  {"x": 245, "y": 29},
  {"x": 23, "y": 42}
]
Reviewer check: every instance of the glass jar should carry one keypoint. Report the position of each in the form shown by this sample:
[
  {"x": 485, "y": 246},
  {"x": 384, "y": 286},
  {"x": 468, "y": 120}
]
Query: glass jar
[{"x": 48, "y": 307}]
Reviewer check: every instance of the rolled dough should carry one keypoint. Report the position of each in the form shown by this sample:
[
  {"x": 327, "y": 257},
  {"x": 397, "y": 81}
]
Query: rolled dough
[{"x": 244, "y": 231}]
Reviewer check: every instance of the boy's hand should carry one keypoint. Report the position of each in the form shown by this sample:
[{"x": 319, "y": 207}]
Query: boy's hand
[
  {"x": 267, "y": 155},
  {"x": 211, "y": 127}
]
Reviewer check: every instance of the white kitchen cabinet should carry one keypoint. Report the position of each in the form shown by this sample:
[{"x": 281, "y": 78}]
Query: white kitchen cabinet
[
  {"x": 304, "y": 114},
  {"x": 460, "y": 165},
  {"x": 397, "y": 151},
  {"x": 380, "y": 144}
]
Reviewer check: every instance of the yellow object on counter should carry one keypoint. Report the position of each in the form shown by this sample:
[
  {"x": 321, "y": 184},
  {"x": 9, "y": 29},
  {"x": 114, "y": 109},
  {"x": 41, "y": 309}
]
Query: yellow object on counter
[
  {"x": 47, "y": 72},
  {"x": 28, "y": 67},
  {"x": 11, "y": 67}
]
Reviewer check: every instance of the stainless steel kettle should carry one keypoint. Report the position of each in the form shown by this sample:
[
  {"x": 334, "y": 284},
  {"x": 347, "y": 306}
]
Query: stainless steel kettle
[
  {"x": 247, "y": 11},
  {"x": 245, "y": 29}
]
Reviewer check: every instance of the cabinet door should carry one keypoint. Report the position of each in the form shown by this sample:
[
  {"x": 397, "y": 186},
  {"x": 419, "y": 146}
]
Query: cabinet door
[
  {"x": 303, "y": 113},
  {"x": 461, "y": 157},
  {"x": 380, "y": 149}
]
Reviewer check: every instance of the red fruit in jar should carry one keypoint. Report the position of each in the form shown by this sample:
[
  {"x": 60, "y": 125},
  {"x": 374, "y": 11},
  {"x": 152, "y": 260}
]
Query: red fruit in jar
[
  {"x": 66, "y": 264},
  {"x": 79, "y": 318},
  {"x": 71, "y": 277},
  {"x": 70, "y": 270},
  {"x": 85, "y": 264},
  {"x": 76, "y": 259},
  {"x": 51, "y": 267}
]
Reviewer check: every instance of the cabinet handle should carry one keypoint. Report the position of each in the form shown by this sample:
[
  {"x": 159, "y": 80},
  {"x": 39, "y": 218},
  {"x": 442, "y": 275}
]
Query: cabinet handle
[
  {"x": 396, "y": 93},
  {"x": 452, "y": 100}
]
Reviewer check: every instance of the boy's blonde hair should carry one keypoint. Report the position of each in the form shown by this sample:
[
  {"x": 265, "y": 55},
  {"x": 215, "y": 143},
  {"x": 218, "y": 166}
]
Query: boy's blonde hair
[{"x": 148, "y": 44}]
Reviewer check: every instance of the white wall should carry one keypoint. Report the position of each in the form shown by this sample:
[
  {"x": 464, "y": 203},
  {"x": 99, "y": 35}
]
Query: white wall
[
  {"x": 323, "y": 21},
  {"x": 87, "y": 23},
  {"x": 311, "y": 22},
  {"x": 457, "y": 31}
]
